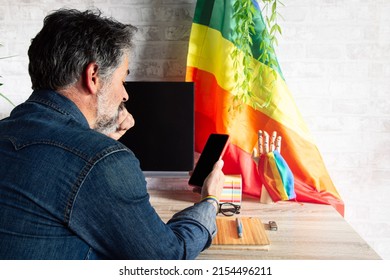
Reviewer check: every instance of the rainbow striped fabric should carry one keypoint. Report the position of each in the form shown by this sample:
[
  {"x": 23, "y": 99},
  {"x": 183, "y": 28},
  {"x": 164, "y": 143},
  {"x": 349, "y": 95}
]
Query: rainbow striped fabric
[
  {"x": 210, "y": 66},
  {"x": 276, "y": 176}
]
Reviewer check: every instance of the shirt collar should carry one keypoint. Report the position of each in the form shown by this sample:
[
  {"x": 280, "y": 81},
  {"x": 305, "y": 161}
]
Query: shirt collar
[{"x": 60, "y": 103}]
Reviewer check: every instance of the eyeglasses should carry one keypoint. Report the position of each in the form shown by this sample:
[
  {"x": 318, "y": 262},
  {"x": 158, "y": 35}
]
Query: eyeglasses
[{"x": 229, "y": 209}]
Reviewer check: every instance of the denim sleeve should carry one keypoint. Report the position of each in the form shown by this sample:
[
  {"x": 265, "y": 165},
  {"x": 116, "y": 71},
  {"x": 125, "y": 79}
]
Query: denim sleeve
[
  {"x": 200, "y": 215},
  {"x": 112, "y": 213}
]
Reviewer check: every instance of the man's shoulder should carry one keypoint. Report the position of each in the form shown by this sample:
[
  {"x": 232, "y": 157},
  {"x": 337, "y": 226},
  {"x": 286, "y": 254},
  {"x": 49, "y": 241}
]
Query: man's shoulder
[
  {"x": 63, "y": 132},
  {"x": 96, "y": 144},
  {"x": 88, "y": 143}
]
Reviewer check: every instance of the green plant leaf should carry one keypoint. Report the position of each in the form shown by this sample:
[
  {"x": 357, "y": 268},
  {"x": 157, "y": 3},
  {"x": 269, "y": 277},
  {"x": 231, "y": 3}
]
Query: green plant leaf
[
  {"x": 246, "y": 78},
  {"x": 6, "y": 98},
  {"x": 2, "y": 95}
]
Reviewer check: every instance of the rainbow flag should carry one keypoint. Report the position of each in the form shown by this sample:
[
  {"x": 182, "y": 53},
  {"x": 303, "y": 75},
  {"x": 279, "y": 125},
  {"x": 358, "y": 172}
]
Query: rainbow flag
[{"x": 210, "y": 66}]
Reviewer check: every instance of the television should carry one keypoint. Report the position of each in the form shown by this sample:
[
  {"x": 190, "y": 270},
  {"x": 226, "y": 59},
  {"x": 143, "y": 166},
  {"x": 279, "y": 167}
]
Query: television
[{"x": 163, "y": 136}]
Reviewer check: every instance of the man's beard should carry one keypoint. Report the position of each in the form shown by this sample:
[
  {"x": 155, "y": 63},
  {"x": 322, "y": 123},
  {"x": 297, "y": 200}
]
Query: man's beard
[{"x": 107, "y": 118}]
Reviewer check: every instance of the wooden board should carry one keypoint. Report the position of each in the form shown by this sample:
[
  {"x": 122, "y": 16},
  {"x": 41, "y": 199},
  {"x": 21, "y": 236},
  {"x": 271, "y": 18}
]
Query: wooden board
[{"x": 254, "y": 235}]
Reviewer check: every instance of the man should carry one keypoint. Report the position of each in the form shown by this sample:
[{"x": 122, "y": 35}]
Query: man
[{"x": 67, "y": 190}]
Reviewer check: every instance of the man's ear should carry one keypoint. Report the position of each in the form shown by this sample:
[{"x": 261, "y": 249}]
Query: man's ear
[{"x": 91, "y": 78}]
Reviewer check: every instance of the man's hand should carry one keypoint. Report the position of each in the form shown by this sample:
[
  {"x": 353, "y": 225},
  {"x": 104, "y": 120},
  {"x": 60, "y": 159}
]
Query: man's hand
[
  {"x": 213, "y": 183},
  {"x": 125, "y": 122}
]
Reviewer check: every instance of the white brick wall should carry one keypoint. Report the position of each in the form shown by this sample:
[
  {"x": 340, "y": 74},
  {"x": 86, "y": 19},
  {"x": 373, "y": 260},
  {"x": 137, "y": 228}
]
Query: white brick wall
[{"x": 335, "y": 56}]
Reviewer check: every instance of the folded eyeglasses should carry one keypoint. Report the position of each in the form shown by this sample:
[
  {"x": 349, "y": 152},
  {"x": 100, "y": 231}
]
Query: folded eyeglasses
[{"x": 229, "y": 209}]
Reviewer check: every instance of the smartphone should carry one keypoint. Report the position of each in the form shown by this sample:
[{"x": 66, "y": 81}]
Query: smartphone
[{"x": 213, "y": 150}]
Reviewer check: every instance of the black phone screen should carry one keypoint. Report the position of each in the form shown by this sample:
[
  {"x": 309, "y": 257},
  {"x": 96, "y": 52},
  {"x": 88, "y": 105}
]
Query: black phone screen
[{"x": 212, "y": 151}]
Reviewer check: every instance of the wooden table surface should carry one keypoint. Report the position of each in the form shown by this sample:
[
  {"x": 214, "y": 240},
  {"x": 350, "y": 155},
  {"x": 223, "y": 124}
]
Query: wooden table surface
[{"x": 305, "y": 230}]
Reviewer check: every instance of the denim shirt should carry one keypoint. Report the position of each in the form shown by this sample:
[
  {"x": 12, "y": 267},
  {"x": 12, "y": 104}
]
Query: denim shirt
[{"x": 69, "y": 192}]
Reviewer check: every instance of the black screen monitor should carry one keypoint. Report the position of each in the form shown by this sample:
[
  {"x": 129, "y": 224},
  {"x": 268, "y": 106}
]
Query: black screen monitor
[{"x": 163, "y": 136}]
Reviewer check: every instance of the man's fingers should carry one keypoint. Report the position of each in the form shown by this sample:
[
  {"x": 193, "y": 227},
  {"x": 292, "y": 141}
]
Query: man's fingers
[
  {"x": 125, "y": 120},
  {"x": 219, "y": 164},
  {"x": 127, "y": 123}
]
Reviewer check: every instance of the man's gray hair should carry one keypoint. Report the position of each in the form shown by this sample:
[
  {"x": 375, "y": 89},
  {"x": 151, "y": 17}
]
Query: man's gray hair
[{"x": 70, "y": 40}]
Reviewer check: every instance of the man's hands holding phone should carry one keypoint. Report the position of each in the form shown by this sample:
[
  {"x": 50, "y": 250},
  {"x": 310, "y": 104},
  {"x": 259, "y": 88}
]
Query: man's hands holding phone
[
  {"x": 207, "y": 178},
  {"x": 213, "y": 183}
]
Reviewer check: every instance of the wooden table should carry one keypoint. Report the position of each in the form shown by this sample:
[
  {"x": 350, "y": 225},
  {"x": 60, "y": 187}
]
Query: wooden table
[{"x": 305, "y": 230}]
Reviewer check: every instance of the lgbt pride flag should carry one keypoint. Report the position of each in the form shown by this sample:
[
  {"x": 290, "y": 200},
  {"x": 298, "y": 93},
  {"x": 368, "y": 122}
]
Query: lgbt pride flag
[{"x": 210, "y": 66}]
